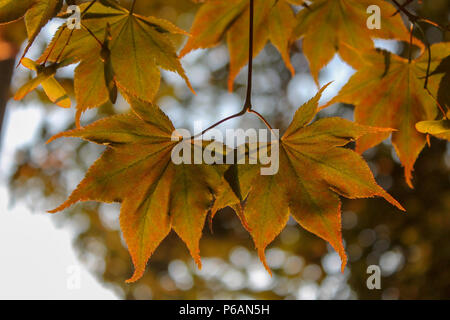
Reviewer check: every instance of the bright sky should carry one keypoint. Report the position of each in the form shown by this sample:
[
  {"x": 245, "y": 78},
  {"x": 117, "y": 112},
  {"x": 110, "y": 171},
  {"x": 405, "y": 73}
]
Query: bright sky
[{"x": 37, "y": 260}]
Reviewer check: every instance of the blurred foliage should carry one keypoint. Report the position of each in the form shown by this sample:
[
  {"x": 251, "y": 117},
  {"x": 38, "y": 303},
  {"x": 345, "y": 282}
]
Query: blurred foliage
[{"x": 413, "y": 249}]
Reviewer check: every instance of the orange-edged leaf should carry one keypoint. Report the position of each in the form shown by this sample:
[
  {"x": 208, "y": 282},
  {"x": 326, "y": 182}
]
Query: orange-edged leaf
[
  {"x": 89, "y": 84},
  {"x": 136, "y": 169},
  {"x": 216, "y": 19},
  {"x": 388, "y": 92},
  {"x": 314, "y": 169},
  {"x": 138, "y": 47},
  {"x": 94, "y": 79},
  {"x": 37, "y": 17},
  {"x": 281, "y": 23},
  {"x": 326, "y": 25},
  {"x": 238, "y": 36}
]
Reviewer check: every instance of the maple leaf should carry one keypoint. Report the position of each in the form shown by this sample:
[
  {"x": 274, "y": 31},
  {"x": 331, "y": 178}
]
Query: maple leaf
[
  {"x": 314, "y": 169},
  {"x": 37, "y": 17},
  {"x": 37, "y": 13},
  {"x": 138, "y": 47},
  {"x": 326, "y": 25},
  {"x": 273, "y": 20},
  {"x": 388, "y": 92},
  {"x": 12, "y": 10},
  {"x": 443, "y": 94},
  {"x": 136, "y": 170},
  {"x": 94, "y": 81},
  {"x": 46, "y": 78}
]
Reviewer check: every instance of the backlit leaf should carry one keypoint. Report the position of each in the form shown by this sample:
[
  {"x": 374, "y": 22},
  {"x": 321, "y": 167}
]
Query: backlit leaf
[
  {"x": 326, "y": 25},
  {"x": 46, "y": 78},
  {"x": 38, "y": 16},
  {"x": 11, "y": 10},
  {"x": 314, "y": 169},
  {"x": 437, "y": 128},
  {"x": 388, "y": 92},
  {"x": 136, "y": 170},
  {"x": 216, "y": 19},
  {"x": 139, "y": 47}
]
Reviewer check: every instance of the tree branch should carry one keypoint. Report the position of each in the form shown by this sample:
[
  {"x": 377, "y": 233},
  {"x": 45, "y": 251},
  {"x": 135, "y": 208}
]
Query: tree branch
[
  {"x": 415, "y": 18},
  {"x": 6, "y": 71},
  {"x": 132, "y": 6},
  {"x": 248, "y": 99}
]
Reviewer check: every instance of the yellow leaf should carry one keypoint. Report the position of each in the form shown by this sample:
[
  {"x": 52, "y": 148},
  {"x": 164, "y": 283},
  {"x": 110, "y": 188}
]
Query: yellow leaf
[
  {"x": 56, "y": 93},
  {"x": 45, "y": 77},
  {"x": 437, "y": 128}
]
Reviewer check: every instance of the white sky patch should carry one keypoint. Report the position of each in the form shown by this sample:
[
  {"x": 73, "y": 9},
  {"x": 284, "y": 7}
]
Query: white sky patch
[{"x": 37, "y": 259}]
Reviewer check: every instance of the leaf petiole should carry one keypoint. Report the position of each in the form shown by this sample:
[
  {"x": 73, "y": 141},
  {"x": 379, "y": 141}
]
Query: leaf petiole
[{"x": 248, "y": 99}]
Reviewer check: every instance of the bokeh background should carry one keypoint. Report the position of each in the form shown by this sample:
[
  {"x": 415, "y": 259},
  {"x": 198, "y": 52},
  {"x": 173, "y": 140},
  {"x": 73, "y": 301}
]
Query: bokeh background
[{"x": 38, "y": 249}]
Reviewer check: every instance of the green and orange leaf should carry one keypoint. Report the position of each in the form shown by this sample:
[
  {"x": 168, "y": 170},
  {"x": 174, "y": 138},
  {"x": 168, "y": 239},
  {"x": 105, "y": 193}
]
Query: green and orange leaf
[
  {"x": 327, "y": 27},
  {"x": 219, "y": 19},
  {"x": 12, "y": 10},
  {"x": 138, "y": 47},
  {"x": 36, "y": 12},
  {"x": 136, "y": 170},
  {"x": 388, "y": 92},
  {"x": 314, "y": 170},
  {"x": 41, "y": 12}
]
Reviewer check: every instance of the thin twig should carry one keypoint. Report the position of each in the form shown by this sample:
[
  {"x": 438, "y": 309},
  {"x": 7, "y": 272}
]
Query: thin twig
[
  {"x": 248, "y": 98},
  {"x": 437, "y": 103},
  {"x": 411, "y": 30},
  {"x": 427, "y": 44},
  {"x": 262, "y": 119},
  {"x": 403, "y": 6},
  {"x": 63, "y": 28},
  {"x": 217, "y": 124},
  {"x": 54, "y": 44},
  {"x": 93, "y": 35},
  {"x": 415, "y": 18},
  {"x": 132, "y": 6},
  {"x": 88, "y": 7},
  {"x": 65, "y": 45}
]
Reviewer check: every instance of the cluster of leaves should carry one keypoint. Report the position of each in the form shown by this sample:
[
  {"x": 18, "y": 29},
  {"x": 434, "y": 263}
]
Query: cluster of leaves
[{"x": 118, "y": 50}]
